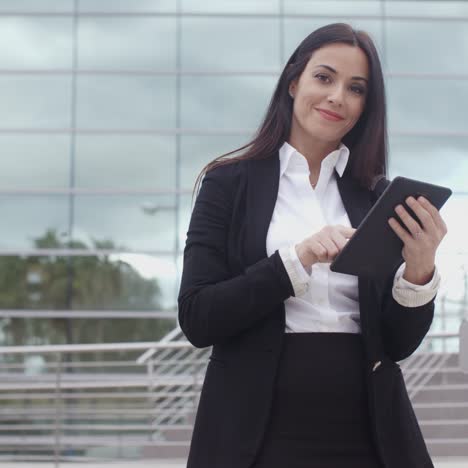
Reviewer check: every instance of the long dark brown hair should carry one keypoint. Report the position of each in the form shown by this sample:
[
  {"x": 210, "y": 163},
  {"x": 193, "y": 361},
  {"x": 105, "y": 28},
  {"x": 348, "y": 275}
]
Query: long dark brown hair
[{"x": 367, "y": 140}]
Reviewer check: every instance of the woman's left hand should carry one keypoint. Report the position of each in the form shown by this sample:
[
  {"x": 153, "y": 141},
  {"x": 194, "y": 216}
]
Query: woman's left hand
[{"x": 420, "y": 244}]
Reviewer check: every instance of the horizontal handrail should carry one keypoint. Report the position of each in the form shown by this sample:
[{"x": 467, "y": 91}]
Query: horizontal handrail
[
  {"x": 86, "y": 348},
  {"x": 89, "y": 348}
]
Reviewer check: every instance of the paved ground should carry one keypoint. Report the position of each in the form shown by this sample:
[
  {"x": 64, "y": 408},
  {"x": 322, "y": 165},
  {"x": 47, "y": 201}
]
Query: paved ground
[{"x": 452, "y": 462}]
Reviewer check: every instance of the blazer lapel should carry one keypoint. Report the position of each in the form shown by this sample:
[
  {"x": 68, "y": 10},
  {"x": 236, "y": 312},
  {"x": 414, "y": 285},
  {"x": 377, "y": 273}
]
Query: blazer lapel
[{"x": 355, "y": 199}]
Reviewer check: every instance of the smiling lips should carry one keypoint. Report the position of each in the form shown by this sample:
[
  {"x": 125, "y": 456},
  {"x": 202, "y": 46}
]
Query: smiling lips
[{"x": 329, "y": 115}]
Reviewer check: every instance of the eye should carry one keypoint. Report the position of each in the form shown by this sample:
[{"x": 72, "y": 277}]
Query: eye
[
  {"x": 358, "y": 89},
  {"x": 322, "y": 77}
]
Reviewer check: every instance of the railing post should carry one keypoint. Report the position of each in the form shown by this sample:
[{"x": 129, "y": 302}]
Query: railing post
[
  {"x": 151, "y": 402},
  {"x": 57, "y": 428}
]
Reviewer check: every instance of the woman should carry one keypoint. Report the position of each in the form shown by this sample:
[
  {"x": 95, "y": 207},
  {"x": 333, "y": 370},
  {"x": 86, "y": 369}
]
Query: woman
[{"x": 303, "y": 369}]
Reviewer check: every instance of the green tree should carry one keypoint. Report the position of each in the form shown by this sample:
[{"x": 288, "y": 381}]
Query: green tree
[{"x": 76, "y": 283}]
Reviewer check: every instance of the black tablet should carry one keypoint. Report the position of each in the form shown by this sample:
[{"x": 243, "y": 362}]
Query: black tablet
[{"x": 374, "y": 250}]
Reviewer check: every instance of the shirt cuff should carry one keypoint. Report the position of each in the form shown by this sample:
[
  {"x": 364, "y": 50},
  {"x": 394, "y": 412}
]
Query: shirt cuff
[
  {"x": 414, "y": 295},
  {"x": 298, "y": 275}
]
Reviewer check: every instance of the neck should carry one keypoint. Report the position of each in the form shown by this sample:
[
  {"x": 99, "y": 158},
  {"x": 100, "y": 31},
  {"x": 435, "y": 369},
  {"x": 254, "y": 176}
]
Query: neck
[{"x": 313, "y": 149}]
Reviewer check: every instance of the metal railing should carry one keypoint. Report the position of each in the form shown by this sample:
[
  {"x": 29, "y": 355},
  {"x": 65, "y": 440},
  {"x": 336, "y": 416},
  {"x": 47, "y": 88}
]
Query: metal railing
[{"x": 62, "y": 410}]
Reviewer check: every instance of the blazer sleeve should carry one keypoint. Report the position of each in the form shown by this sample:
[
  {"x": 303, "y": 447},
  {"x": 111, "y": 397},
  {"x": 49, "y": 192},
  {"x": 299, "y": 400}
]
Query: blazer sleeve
[
  {"x": 403, "y": 328},
  {"x": 213, "y": 306}
]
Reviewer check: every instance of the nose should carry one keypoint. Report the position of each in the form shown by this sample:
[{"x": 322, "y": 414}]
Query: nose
[{"x": 336, "y": 95}]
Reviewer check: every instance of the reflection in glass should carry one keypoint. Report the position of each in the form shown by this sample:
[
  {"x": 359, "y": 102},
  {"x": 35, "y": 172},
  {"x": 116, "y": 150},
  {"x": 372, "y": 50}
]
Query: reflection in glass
[
  {"x": 439, "y": 161},
  {"x": 65, "y": 6},
  {"x": 149, "y": 269},
  {"x": 44, "y": 331},
  {"x": 31, "y": 160},
  {"x": 332, "y": 7},
  {"x": 255, "y": 49},
  {"x": 434, "y": 8},
  {"x": 125, "y": 162},
  {"x": 35, "y": 42},
  {"x": 41, "y": 101},
  {"x": 197, "y": 151},
  {"x": 32, "y": 219},
  {"x": 132, "y": 222},
  {"x": 231, "y": 6},
  {"x": 295, "y": 30},
  {"x": 130, "y": 102},
  {"x": 426, "y": 104},
  {"x": 150, "y": 6},
  {"x": 225, "y": 102},
  {"x": 107, "y": 282},
  {"x": 421, "y": 56},
  {"x": 101, "y": 46}
]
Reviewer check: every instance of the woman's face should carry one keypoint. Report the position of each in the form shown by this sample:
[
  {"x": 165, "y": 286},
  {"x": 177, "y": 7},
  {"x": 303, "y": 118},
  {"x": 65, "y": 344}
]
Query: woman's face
[{"x": 335, "y": 79}]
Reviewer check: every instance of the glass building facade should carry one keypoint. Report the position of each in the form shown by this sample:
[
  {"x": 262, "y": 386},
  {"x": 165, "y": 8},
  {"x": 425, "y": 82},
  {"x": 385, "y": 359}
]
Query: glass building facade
[{"x": 110, "y": 108}]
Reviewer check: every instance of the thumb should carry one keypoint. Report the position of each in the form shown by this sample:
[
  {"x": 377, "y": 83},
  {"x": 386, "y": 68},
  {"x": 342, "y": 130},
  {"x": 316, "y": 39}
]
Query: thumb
[{"x": 346, "y": 230}]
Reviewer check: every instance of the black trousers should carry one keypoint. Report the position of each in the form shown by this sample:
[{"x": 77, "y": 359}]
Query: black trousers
[{"x": 319, "y": 417}]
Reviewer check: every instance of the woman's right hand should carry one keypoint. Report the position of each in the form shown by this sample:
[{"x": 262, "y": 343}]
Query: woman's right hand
[{"x": 324, "y": 245}]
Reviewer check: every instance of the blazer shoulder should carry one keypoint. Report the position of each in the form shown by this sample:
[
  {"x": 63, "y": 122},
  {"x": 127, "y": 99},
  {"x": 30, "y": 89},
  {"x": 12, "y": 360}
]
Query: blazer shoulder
[{"x": 227, "y": 176}]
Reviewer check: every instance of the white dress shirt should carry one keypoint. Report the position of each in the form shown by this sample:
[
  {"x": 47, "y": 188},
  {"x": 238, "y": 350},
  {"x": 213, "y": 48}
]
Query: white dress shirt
[{"x": 324, "y": 301}]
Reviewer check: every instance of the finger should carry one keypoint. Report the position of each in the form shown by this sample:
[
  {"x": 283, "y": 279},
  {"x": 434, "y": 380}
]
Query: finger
[
  {"x": 329, "y": 244},
  {"x": 424, "y": 216},
  {"x": 319, "y": 250},
  {"x": 339, "y": 239},
  {"x": 346, "y": 231},
  {"x": 407, "y": 220},
  {"x": 399, "y": 230},
  {"x": 438, "y": 221}
]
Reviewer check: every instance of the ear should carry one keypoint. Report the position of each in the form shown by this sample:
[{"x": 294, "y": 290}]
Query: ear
[{"x": 292, "y": 88}]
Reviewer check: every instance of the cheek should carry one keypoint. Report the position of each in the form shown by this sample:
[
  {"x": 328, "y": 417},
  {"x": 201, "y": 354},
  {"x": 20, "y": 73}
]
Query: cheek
[{"x": 356, "y": 111}]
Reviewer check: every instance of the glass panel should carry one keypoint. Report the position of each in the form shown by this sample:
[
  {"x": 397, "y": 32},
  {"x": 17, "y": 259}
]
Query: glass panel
[
  {"x": 125, "y": 162},
  {"x": 34, "y": 5},
  {"x": 296, "y": 30},
  {"x": 114, "y": 282},
  {"x": 41, "y": 161},
  {"x": 132, "y": 222},
  {"x": 33, "y": 221},
  {"x": 452, "y": 254},
  {"x": 255, "y": 49},
  {"x": 35, "y": 101},
  {"x": 416, "y": 104},
  {"x": 231, "y": 6},
  {"x": 35, "y": 42},
  {"x": 151, "y": 283},
  {"x": 131, "y": 102},
  {"x": 405, "y": 54},
  {"x": 197, "y": 151},
  {"x": 332, "y": 7},
  {"x": 438, "y": 9},
  {"x": 24, "y": 331},
  {"x": 160, "y": 6},
  {"x": 116, "y": 42},
  {"x": 223, "y": 103},
  {"x": 441, "y": 161}
]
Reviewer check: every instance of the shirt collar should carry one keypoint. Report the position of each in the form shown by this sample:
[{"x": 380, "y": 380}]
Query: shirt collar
[{"x": 291, "y": 159}]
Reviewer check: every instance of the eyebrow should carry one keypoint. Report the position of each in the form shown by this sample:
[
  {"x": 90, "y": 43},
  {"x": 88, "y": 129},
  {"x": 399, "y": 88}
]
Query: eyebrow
[{"x": 334, "y": 71}]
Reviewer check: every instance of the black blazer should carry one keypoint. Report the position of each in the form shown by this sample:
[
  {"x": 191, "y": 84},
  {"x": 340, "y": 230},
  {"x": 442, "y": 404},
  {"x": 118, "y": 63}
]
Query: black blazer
[{"x": 232, "y": 298}]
